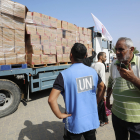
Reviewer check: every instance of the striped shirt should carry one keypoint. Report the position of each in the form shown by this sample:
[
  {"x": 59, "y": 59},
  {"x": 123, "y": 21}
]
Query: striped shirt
[{"x": 126, "y": 104}]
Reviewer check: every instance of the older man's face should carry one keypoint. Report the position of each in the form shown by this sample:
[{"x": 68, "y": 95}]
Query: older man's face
[{"x": 122, "y": 52}]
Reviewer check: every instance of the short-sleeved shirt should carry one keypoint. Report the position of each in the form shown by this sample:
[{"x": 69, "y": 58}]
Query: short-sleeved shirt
[{"x": 59, "y": 82}]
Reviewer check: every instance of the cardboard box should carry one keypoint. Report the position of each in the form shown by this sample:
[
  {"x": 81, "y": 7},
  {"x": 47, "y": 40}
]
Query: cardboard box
[
  {"x": 33, "y": 59},
  {"x": 19, "y": 23},
  {"x": 20, "y": 47},
  {"x": 66, "y": 50},
  {"x": 89, "y": 52},
  {"x": 80, "y": 30},
  {"x": 31, "y": 29},
  {"x": 29, "y": 17},
  {"x": 7, "y": 7},
  {"x": 34, "y": 49},
  {"x": 45, "y": 20},
  {"x": 70, "y": 27},
  {"x": 40, "y": 30},
  {"x": 37, "y": 17},
  {"x": 77, "y": 37},
  {"x": 84, "y": 31},
  {"x": 73, "y": 36},
  {"x": 58, "y": 41},
  {"x": 8, "y": 46},
  {"x": 90, "y": 46},
  {"x": 1, "y": 21},
  {"x": 59, "y": 33},
  {"x": 1, "y": 35},
  {"x": 44, "y": 59},
  {"x": 53, "y": 22},
  {"x": 45, "y": 40},
  {"x": 52, "y": 50},
  {"x": 10, "y": 58},
  {"x": 46, "y": 49},
  {"x": 81, "y": 37},
  {"x": 89, "y": 31},
  {"x": 2, "y": 59},
  {"x": 59, "y": 49},
  {"x": 52, "y": 41},
  {"x": 86, "y": 45},
  {"x": 82, "y": 42},
  {"x": 53, "y": 32},
  {"x": 59, "y": 58},
  {"x": 67, "y": 35},
  {"x": 19, "y": 35},
  {"x": 21, "y": 59},
  {"x": 64, "y": 25},
  {"x": 47, "y": 32},
  {"x": 70, "y": 43},
  {"x": 65, "y": 57},
  {"x": 64, "y": 42},
  {"x": 19, "y": 10},
  {"x": 7, "y": 21},
  {"x": 1, "y": 48},
  {"x": 32, "y": 39},
  {"x": 52, "y": 59},
  {"x": 58, "y": 23}
]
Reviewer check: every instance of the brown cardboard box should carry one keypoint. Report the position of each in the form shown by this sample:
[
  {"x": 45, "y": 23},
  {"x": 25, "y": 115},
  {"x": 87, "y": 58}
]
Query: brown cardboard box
[
  {"x": 7, "y": 21},
  {"x": 52, "y": 41},
  {"x": 20, "y": 47},
  {"x": 73, "y": 36},
  {"x": 58, "y": 23},
  {"x": 19, "y": 35},
  {"x": 66, "y": 50},
  {"x": 80, "y": 30},
  {"x": 53, "y": 22},
  {"x": 65, "y": 57},
  {"x": 46, "y": 49},
  {"x": 10, "y": 58},
  {"x": 19, "y": 23},
  {"x": 7, "y": 7},
  {"x": 89, "y": 52},
  {"x": 40, "y": 30},
  {"x": 86, "y": 45},
  {"x": 32, "y": 39},
  {"x": 1, "y": 21},
  {"x": 67, "y": 35},
  {"x": 19, "y": 10},
  {"x": 1, "y": 35},
  {"x": 64, "y": 42},
  {"x": 2, "y": 59},
  {"x": 53, "y": 32},
  {"x": 70, "y": 27},
  {"x": 8, "y": 46},
  {"x": 45, "y": 20},
  {"x": 59, "y": 58},
  {"x": 77, "y": 36},
  {"x": 45, "y": 40},
  {"x": 34, "y": 49},
  {"x": 81, "y": 37},
  {"x": 90, "y": 46},
  {"x": 84, "y": 31},
  {"x": 37, "y": 17},
  {"x": 21, "y": 59},
  {"x": 89, "y": 31},
  {"x": 59, "y": 33},
  {"x": 47, "y": 32},
  {"x": 1, "y": 48},
  {"x": 33, "y": 59},
  {"x": 52, "y": 59},
  {"x": 44, "y": 59},
  {"x": 82, "y": 42},
  {"x": 29, "y": 17},
  {"x": 70, "y": 43},
  {"x": 59, "y": 49},
  {"x": 52, "y": 50},
  {"x": 64, "y": 25},
  {"x": 59, "y": 41},
  {"x": 31, "y": 29}
]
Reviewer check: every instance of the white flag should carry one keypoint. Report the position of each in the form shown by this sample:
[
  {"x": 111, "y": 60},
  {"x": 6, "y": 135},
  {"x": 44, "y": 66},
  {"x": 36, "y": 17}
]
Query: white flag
[{"x": 101, "y": 27}]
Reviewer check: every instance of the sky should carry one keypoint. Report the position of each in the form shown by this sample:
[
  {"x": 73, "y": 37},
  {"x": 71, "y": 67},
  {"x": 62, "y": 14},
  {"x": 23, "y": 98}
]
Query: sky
[{"x": 120, "y": 17}]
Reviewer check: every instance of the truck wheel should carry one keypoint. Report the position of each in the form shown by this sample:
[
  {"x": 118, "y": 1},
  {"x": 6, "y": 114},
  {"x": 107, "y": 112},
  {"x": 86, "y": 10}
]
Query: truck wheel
[{"x": 10, "y": 96}]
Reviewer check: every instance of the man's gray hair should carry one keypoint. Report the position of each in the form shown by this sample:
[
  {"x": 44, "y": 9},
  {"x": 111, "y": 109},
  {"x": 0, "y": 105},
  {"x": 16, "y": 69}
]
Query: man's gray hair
[{"x": 128, "y": 41}]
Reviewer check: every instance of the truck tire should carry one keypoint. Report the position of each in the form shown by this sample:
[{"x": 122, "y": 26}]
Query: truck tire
[{"x": 10, "y": 96}]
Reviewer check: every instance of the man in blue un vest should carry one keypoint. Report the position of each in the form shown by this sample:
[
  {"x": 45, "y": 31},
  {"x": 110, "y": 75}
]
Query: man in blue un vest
[{"x": 78, "y": 85}]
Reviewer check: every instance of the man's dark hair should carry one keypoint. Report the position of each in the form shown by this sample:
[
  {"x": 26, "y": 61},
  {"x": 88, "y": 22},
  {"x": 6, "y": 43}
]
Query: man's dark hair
[
  {"x": 100, "y": 54},
  {"x": 79, "y": 51}
]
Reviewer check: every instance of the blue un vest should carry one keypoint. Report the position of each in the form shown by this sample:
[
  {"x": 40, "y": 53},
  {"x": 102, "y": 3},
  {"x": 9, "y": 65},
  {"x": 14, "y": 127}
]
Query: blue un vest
[{"x": 80, "y": 84}]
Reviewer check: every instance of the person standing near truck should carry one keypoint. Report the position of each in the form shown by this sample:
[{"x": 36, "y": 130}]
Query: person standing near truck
[{"x": 78, "y": 85}]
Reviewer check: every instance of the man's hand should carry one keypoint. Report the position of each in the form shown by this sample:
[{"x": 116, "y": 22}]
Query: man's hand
[
  {"x": 108, "y": 105},
  {"x": 54, "y": 105},
  {"x": 126, "y": 74}
]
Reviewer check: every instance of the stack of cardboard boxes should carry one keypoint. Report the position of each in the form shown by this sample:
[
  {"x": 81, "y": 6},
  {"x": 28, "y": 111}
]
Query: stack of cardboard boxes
[{"x": 12, "y": 33}]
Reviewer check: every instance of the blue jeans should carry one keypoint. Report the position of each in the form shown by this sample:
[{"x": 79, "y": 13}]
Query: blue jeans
[
  {"x": 122, "y": 128},
  {"x": 89, "y": 135}
]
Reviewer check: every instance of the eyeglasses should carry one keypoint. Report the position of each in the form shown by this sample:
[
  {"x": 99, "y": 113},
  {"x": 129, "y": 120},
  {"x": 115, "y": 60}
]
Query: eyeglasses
[{"x": 120, "y": 49}]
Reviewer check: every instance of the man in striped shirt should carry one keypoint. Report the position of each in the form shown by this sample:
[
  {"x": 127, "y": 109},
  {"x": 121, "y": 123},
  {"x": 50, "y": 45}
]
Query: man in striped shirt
[{"x": 124, "y": 84}]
